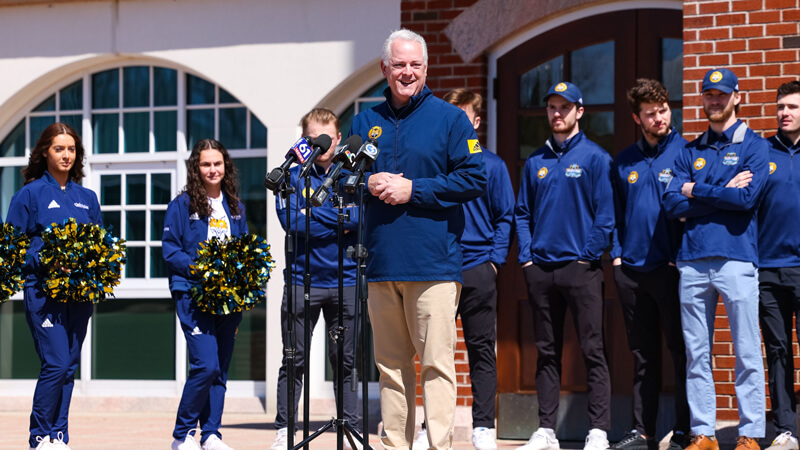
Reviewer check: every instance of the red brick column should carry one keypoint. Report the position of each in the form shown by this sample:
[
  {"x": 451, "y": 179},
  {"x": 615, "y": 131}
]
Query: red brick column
[{"x": 759, "y": 41}]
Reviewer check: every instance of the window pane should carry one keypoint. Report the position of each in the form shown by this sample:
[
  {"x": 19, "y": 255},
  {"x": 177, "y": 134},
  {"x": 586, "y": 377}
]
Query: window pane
[
  {"x": 112, "y": 221},
  {"x": 106, "y": 133},
  {"x": 160, "y": 188},
  {"x": 599, "y": 127},
  {"x": 75, "y": 121},
  {"x": 165, "y": 87},
  {"x": 134, "y": 330},
  {"x": 18, "y": 358},
  {"x": 200, "y": 125},
  {"x": 533, "y": 84},
  {"x": 10, "y": 182},
  {"x": 199, "y": 91},
  {"x": 48, "y": 105},
  {"x": 135, "y": 266},
  {"x": 38, "y": 124},
  {"x": 110, "y": 190},
  {"x": 377, "y": 90},
  {"x": 135, "y": 229},
  {"x": 258, "y": 133},
  {"x": 253, "y": 195},
  {"x": 533, "y": 132},
  {"x": 677, "y": 118},
  {"x": 136, "y": 86},
  {"x": 166, "y": 130},
  {"x": 226, "y": 97},
  {"x": 158, "y": 267},
  {"x": 672, "y": 67},
  {"x": 137, "y": 132},
  {"x": 233, "y": 128},
  {"x": 593, "y": 73},
  {"x": 72, "y": 96},
  {"x": 156, "y": 225},
  {"x": 248, "y": 362},
  {"x": 136, "y": 186},
  {"x": 14, "y": 143},
  {"x": 105, "y": 89}
]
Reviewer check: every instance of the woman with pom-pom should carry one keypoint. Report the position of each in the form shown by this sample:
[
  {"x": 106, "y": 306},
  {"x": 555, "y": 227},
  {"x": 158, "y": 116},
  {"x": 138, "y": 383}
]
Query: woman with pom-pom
[
  {"x": 52, "y": 193},
  {"x": 209, "y": 207}
]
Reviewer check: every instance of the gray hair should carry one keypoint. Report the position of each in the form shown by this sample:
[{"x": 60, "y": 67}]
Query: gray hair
[{"x": 404, "y": 35}]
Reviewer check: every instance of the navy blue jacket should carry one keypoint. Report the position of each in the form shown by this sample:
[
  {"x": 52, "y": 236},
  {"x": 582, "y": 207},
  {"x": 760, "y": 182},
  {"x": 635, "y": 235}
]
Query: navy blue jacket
[
  {"x": 779, "y": 211},
  {"x": 644, "y": 237},
  {"x": 720, "y": 222},
  {"x": 432, "y": 143},
  {"x": 323, "y": 223},
  {"x": 183, "y": 234},
  {"x": 489, "y": 218},
  {"x": 565, "y": 207},
  {"x": 42, "y": 203}
]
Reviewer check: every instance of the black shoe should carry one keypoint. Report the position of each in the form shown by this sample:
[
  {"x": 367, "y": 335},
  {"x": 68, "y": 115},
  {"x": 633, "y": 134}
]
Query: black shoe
[
  {"x": 679, "y": 441},
  {"x": 632, "y": 441}
]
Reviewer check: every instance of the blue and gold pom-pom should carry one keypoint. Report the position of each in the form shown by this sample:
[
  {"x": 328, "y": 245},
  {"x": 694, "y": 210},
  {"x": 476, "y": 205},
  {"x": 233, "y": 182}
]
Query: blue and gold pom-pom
[
  {"x": 13, "y": 247},
  {"x": 83, "y": 262},
  {"x": 232, "y": 273}
]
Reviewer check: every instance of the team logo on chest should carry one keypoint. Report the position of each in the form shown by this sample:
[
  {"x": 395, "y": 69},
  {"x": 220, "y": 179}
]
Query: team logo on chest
[
  {"x": 633, "y": 177},
  {"x": 699, "y": 163},
  {"x": 772, "y": 167},
  {"x": 665, "y": 175},
  {"x": 730, "y": 159},
  {"x": 574, "y": 171},
  {"x": 375, "y": 132},
  {"x": 542, "y": 173}
]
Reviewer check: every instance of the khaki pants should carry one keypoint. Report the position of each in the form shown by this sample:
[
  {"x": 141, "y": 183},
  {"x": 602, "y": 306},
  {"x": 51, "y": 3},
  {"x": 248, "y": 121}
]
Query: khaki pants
[{"x": 411, "y": 317}]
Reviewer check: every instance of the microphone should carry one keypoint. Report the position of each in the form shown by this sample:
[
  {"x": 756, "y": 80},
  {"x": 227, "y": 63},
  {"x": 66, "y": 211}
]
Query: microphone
[
  {"x": 321, "y": 145},
  {"x": 367, "y": 155},
  {"x": 299, "y": 153},
  {"x": 344, "y": 158}
]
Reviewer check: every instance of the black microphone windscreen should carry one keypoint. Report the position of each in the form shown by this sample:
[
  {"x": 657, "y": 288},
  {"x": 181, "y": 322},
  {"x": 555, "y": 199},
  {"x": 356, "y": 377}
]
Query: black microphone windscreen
[
  {"x": 353, "y": 142},
  {"x": 323, "y": 141}
]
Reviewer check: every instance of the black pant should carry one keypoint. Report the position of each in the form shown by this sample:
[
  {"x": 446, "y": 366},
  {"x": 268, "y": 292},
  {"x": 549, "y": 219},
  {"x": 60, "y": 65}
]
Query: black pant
[
  {"x": 478, "y": 309},
  {"x": 650, "y": 302},
  {"x": 551, "y": 290},
  {"x": 327, "y": 301},
  {"x": 779, "y": 301}
]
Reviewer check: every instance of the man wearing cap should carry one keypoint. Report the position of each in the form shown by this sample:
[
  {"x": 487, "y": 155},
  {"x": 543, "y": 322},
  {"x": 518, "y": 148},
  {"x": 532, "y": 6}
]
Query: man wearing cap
[
  {"x": 716, "y": 188},
  {"x": 779, "y": 264},
  {"x": 564, "y": 216}
]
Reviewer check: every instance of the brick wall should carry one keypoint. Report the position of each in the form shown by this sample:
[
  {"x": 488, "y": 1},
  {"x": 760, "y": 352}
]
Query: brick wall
[{"x": 759, "y": 41}]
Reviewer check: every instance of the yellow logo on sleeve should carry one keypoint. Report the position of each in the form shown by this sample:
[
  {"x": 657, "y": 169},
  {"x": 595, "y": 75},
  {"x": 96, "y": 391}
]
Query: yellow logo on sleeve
[
  {"x": 375, "y": 132},
  {"x": 772, "y": 167},
  {"x": 633, "y": 177},
  {"x": 699, "y": 163},
  {"x": 542, "y": 172},
  {"x": 474, "y": 146}
]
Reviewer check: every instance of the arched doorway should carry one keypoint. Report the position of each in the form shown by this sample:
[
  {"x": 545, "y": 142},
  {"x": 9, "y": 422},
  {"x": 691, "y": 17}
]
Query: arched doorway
[{"x": 603, "y": 55}]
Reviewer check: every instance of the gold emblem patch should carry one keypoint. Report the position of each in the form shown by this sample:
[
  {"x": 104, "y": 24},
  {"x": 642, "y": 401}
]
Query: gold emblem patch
[
  {"x": 474, "y": 146},
  {"x": 633, "y": 177},
  {"x": 561, "y": 87},
  {"x": 772, "y": 167},
  {"x": 699, "y": 163},
  {"x": 542, "y": 172},
  {"x": 375, "y": 132},
  {"x": 306, "y": 194},
  {"x": 716, "y": 76}
]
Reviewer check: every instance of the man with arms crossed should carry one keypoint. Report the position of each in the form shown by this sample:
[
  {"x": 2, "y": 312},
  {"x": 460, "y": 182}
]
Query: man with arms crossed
[
  {"x": 430, "y": 163},
  {"x": 779, "y": 264},
  {"x": 644, "y": 247},
  {"x": 564, "y": 217},
  {"x": 716, "y": 187}
]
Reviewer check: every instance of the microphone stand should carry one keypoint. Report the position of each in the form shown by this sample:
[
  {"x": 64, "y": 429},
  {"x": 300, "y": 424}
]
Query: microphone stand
[
  {"x": 306, "y": 316},
  {"x": 285, "y": 190}
]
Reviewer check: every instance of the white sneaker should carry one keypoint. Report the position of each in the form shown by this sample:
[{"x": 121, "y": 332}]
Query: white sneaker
[
  {"x": 483, "y": 439},
  {"x": 421, "y": 442},
  {"x": 347, "y": 446},
  {"x": 58, "y": 443},
  {"x": 597, "y": 439},
  {"x": 187, "y": 444},
  {"x": 784, "y": 441},
  {"x": 43, "y": 443},
  {"x": 541, "y": 440},
  {"x": 280, "y": 439},
  {"x": 215, "y": 443}
]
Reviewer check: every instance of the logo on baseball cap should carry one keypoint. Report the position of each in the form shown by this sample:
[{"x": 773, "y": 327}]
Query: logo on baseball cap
[
  {"x": 721, "y": 79},
  {"x": 567, "y": 90}
]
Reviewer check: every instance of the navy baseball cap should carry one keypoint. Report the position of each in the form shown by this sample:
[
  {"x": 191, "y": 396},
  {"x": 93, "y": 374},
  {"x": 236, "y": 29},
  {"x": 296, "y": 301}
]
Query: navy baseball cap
[
  {"x": 567, "y": 90},
  {"x": 721, "y": 79}
]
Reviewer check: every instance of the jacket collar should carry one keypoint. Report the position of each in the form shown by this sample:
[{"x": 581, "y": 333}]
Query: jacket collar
[
  {"x": 413, "y": 102},
  {"x": 567, "y": 145},
  {"x": 733, "y": 135}
]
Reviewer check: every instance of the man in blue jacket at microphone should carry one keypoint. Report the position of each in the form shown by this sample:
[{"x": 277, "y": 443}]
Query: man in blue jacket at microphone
[
  {"x": 564, "y": 218},
  {"x": 430, "y": 163},
  {"x": 716, "y": 188},
  {"x": 323, "y": 259}
]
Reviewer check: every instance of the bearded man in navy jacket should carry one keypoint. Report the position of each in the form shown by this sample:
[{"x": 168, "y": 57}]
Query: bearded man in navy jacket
[
  {"x": 564, "y": 218},
  {"x": 716, "y": 188},
  {"x": 430, "y": 163}
]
